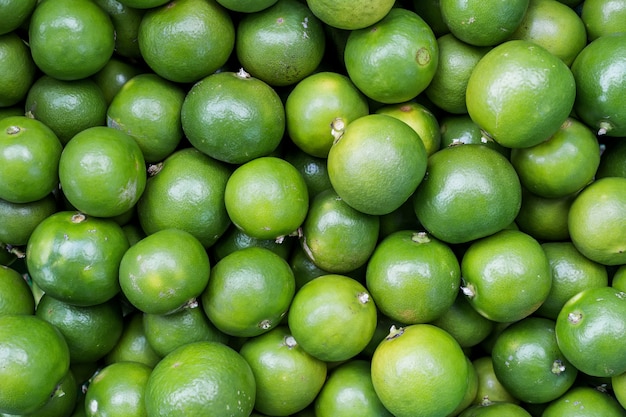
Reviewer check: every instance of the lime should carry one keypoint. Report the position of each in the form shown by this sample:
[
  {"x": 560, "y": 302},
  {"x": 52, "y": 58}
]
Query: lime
[
  {"x": 66, "y": 107},
  {"x": 70, "y": 39},
  {"x": 457, "y": 59},
  {"x": 246, "y": 6},
  {"x": 368, "y": 182},
  {"x": 287, "y": 378},
  {"x": 561, "y": 165},
  {"x": 600, "y": 84},
  {"x": 506, "y": 276},
  {"x": 147, "y": 107},
  {"x": 288, "y": 32},
  {"x": 596, "y": 222},
  {"x": 544, "y": 218},
  {"x": 460, "y": 128},
  {"x": 495, "y": 409},
  {"x": 312, "y": 168},
  {"x": 114, "y": 75},
  {"x": 201, "y": 378},
  {"x": 118, "y": 390},
  {"x": 336, "y": 237},
  {"x": 102, "y": 171},
  {"x": 584, "y": 336},
  {"x": 236, "y": 297},
  {"x": 16, "y": 13},
  {"x": 280, "y": 202},
  {"x": 490, "y": 389},
  {"x": 163, "y": 271},
  {"x": 35, "y": 360},
  {"x": 483, "y": 24},
  {"x": 133, "y": 345},
  {"x": 234, "y": 239},
  {"x": 528, "y": 362},
  {"x": 15, "y": 294},
  {"x": 187, "y": 193},
  {"x": 618, "y": 383},
  {"x": 126, "y": 20},
  {"x": 332, "y": 317},
  {"x": 29, "y": 159},
  {"x": 186, "y": 40},
  {"x": 470, "y": 191},
  {"x": 520, "y": 94},
  {"x": 430, "y": 11},
  {"x": 393, "y": 60},
  {"x": 603, "y": 17},
  {"x": 63, "y": 400},
  {"x": 318, "y": 108},
  {"x": 584, "y": 401},
  {"x": 233, "y": 117},
  {"x": 18, "y": 220},
  {"x": 350, "y": 15},
  {"x": 75, "y": 258},
  {"x": 420, "y": 370},
  {"x": 413, "y": 277},
  {"x": 17, "y": 67},
  {"x": 613, "y": 160}
]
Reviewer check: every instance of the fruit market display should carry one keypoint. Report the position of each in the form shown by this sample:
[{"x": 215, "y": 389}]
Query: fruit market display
[{"x": 313, "y": 208}]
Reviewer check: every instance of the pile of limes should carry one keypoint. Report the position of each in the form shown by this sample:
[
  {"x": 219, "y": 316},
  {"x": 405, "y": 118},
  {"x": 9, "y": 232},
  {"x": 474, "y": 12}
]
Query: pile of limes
[{"x": 329, "y": 208}]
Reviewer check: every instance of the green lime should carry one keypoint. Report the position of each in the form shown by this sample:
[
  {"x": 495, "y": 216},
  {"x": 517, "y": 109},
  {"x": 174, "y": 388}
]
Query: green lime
[
  {"x": 133, "y": 345},
  {"x": 15, "y": 294},
  {"x": 350, "y": 15},
  {"x": 584, "y": 401},
  {"x": 16, "y": 13},
  {"x": 17, "y": 67},
  {"x": 18, "y": 220}
]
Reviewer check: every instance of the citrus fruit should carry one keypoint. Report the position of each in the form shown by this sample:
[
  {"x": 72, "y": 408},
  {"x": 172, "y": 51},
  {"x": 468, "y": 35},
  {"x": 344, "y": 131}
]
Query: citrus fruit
[
  {"x": 457, "y": 59},
  {"x": 464, "y": 323},
  {"x": 35, "y": 360},
  {"x": 312, "y": 168},
  {"x": 16, "y": 13},
  {"x": 126, "y": 21},
  {"x": 163, "y": 271},
  {"x": 15, "y": 294},
  {"x": 596, "y": 221},
  {"x": 583, "y": 333},
  {"x": 118, "y": 390},
  {"x": 17, "y": 67},
  {"x": 584, "y": 401},
  {"x": 506, "y": 276},
  {"x": 420, "y": 118},
  {"x": 246, "y": 6},
  {"x": 114, "y": 75},
  {"x": 66, "y": 107},
  {"x": 495, "y": 409},
  {"x": 29, "y": 159},
  {"x": 561, "y": 165},
  {"x": 377, "y": 163},
  {"x": 490, "y": 389},
  {"x": 70, "y": 39},
  {"x": 419, "y": 370},
  {"x": 90, "y": 331},
  {"x": 478, "y": 23},
  {"x": 280, "y": 202},
  {"x": 402, "y": 218},
  {"x": 571, "y": 273},
  {"x": 603, "y": 17},
  {"x": 186, "y": 40},
  {"x": 619, "y": 388},
  {"x": 233, "y": 117},
  {"x": 166, "y": 332},
  {"x": 18, "y": 220},
  {"x": 332, "y": 317},
  {"x": 600, "y": 84},
  {"x": 528, "y": 362},
  {"x": 147, "y": 107},
  {"x": 350, "y": 15},
  {"x": 554, "y": 26},
  {"x": 133, "y": 345},
  {"x": 201, "y": 378},
  {"x": 460, "y": 128},
  {"x": 236, "y": 299},
  {"x": 143, "y": 4},
  {"x": 102, "y": 171},
  {"x": 288, "y": 32},
  {"x": 349, "y": 391},
  {"x": 234, "y": 239},
  {"x": 430, "y": 11},
  {"x": 304, "y": 269},
  {"x": 75, "y": 258},
  {"x": 287, "y": 378},
  {"x": 613, "y": 160},
  {"x": 520, "y": 94},
  {"x": 413, "y": 277},
  {"x": 63, "y": 400},
  {"x": 393, "y": 60},
  {"x": 469, "y": 191},
  {"x": 187, "y": 193},
  {"x": 319, "y": 107},
  {"x": 336, "y": 237},
  {"x": 544, "y": 218}
]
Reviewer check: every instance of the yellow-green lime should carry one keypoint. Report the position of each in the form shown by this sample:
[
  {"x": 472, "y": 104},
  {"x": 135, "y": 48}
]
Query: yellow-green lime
[
  {"x": 246, "y": 6},
  {"x": 603, "y": 17},
  {"x": 544, "y": 218},
  {"x": 16, "y": 66},
  {"x": 584, "y": 401},
  {"x": 350, "y": 15}
]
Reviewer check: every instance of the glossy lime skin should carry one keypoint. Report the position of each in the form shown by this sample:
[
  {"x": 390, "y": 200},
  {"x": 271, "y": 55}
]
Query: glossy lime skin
[
  {"x": 15, "y": 294},
  {"x": 75, "y": 258},
  {"x": 15, "y": 13},
  {"x": 600, "y": 74},
  {"x": 17, "y": 67},
  {"x": 29, "y": 159},
  {"x": 102, "y": 171},
  {"x": 495, "y": 409}
]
